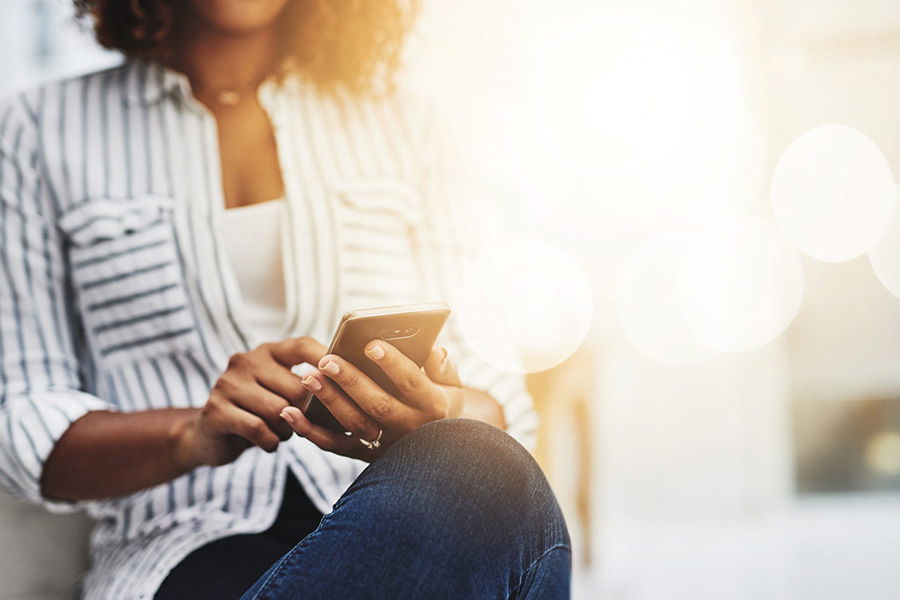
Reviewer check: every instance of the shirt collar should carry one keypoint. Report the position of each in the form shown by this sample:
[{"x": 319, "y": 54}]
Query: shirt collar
[{"x": 148, "y": 83}]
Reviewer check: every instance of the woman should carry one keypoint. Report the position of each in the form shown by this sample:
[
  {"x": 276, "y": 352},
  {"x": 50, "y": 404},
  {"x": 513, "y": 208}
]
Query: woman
[{"x": 245, "y": 177}]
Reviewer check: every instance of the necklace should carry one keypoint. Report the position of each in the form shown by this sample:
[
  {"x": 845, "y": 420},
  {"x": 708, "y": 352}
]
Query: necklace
[
  {"x": 227, "y": 98},
  {"x": 231, "y": 96}
]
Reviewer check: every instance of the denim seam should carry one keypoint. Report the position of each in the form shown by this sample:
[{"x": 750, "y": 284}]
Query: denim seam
[
  {"x": 268, "y": 580},
  {"x": 534, "y": 562},
  {"x": 283, "y": 560}
]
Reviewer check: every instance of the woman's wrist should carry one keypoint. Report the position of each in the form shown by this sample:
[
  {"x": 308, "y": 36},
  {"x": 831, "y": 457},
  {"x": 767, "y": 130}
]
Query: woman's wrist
[
  {"x": 184, "y": 435},
  {"x": 481, "y": 406}
]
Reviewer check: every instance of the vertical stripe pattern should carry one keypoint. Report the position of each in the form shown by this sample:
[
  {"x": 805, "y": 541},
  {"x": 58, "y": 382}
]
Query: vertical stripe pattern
[{"x": 116, "y": 293}]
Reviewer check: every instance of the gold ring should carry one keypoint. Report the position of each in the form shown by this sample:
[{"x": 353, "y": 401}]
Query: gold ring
[{"x": 374, "y": 443}]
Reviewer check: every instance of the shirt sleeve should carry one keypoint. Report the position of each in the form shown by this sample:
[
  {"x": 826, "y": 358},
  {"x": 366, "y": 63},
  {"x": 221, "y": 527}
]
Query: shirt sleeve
[
  {"x": 452, "y": 231},
  {"x": 40, "y": 380}
]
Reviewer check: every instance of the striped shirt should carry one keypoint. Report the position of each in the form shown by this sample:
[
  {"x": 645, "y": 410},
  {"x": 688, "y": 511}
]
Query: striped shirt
[{"x": 116, "y": 294}]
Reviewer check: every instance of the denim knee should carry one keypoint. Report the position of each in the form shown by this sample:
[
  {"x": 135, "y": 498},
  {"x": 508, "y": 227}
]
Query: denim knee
[
  {"x": 465, "y": 455},
  {"x": 454, "y": 469},
  {"x": 455, "y": 509}
]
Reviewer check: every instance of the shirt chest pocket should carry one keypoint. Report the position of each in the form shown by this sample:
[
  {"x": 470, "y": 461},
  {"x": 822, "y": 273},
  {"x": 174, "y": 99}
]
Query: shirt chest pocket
[
  {"x": 379, "y": 222},
  {"x": 129, "y": 285}
]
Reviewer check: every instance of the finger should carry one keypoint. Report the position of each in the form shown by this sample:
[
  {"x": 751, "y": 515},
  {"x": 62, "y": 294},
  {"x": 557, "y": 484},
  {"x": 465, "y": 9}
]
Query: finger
[
  {"x": 234, "y": 420},
  {"x": 239, "y": 387},
  {"x": 294, "y": 351},
  {"x": 367, "y": 394},
  {"x": 325, "y": 439},
  {"x": 440, "y": 369},
  {"x": 346, "y": 411},
  {"x": 265, "y": 405},
  {"x": 414, "y": 385},
  {"x": 280, "y": 380}
]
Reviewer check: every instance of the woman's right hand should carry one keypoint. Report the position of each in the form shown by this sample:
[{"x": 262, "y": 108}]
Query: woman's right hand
[{"x": 245, "y": 403}]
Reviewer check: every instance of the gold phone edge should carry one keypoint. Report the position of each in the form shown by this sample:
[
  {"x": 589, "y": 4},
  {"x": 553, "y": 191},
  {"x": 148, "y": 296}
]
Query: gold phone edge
[{"x": 379, "y": 311}]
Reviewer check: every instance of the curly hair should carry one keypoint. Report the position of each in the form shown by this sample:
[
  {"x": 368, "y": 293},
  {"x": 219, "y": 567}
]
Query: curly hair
[{"x": 354, "y": 44}]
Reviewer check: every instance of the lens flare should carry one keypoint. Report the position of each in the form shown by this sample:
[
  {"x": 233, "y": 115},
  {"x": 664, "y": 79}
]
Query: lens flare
[
  {"x": 525, "y": 305},
  {"x": 642, "y": 114},
  {"x": 648, "y": 306},
  {"x": 833, "y": 193},
  {"x": 739, "y": 285}
]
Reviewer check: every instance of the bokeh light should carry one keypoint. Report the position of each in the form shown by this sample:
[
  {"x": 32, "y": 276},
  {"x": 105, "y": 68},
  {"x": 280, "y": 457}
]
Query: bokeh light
[
  {"x": 525, "y": 305},
  {"x": 833, "y": 193},
  {"x": 619, "y": 99},
  {"x": 739, "y": 285},
  {"x": 882, "y": 453},
  {"x": 885, "y": 256},
  {"x": 648, "y": 306},
  {"x": 636, "y": 114}
]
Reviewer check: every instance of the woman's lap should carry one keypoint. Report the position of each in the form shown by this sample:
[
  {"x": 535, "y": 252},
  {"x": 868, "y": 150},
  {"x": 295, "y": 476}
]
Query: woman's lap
[
  {"x": 456, "y": 509},
  {"x": 226, "y": 568}
]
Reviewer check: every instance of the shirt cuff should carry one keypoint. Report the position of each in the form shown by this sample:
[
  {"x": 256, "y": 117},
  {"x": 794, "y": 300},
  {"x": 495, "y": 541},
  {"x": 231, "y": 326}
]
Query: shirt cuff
[{"x": 32, "y": 425}]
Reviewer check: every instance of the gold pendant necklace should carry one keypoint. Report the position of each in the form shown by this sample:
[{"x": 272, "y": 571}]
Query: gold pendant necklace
[{"x": 228, "y": 98}]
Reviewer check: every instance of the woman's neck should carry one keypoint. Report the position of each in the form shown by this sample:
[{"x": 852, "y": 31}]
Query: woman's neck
[{"x": 216, "y": 61}]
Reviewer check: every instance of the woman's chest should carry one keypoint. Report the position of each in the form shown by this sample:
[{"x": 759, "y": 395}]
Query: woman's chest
[
  {"x": 147, "y": 259},
  {"x": 250, "y": 163}
]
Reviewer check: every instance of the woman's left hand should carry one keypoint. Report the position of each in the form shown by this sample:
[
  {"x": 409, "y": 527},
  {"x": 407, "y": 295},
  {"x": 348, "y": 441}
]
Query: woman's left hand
[{"x": 369, "y": 412}]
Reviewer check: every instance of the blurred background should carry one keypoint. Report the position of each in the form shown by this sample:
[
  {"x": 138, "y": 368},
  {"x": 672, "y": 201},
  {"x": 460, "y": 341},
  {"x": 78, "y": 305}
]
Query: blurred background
[{"x": 713, "y": 180}]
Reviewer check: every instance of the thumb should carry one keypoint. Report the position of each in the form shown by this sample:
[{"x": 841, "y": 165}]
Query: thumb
[{"x": 440, "y": 369}]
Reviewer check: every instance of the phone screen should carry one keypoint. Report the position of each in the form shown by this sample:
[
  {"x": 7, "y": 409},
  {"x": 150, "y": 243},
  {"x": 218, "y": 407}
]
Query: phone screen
[{"x": 412, "y": 329}]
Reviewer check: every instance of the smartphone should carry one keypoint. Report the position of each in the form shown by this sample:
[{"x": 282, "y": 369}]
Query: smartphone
[{"x": 413, "y": 329}]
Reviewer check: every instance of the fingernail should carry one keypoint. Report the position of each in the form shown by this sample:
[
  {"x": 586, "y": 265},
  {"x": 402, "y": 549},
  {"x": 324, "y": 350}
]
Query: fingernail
[
  {"x": 375, "y": 351},
  {"x": 331, "y": 368},
  {"x": 312, "y": 383},
  {"x": 287, "y": 417}
]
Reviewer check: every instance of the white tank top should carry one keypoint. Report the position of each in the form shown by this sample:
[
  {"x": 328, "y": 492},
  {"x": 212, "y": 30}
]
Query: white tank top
[{"x": 253, "y": 241}]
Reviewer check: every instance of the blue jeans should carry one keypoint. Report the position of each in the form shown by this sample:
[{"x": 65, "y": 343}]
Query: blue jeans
[{"x": 456, "y": 509}]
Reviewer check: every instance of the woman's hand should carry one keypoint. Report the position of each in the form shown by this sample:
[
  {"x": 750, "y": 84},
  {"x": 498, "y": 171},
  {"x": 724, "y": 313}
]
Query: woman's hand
[
  {"x": 371, "y": 414},
  {"x": 244, "y": 404}
]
